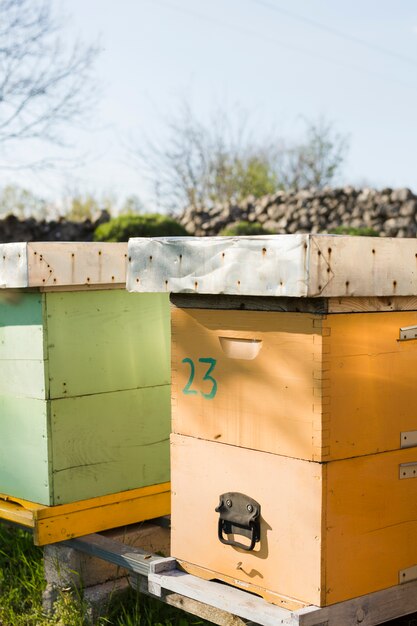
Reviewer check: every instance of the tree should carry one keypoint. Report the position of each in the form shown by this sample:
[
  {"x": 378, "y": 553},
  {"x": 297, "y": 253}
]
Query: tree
[
  {"x": 79, "y": 206},
  {"x": 198, "y": 164},
  {"x": 44, "y": 85},
  {"x": 317, "y": 160},
  {"x": 201, "y": 164},
  {"x": 15, "y": 200}
]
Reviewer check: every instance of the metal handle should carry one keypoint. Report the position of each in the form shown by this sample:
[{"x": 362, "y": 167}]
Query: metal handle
[
  {"x": 239, "y": 515},
  {"x": 232, "y": 542}
]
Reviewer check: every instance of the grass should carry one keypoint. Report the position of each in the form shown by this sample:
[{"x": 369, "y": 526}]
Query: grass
[{"x": 22, "y": 583}]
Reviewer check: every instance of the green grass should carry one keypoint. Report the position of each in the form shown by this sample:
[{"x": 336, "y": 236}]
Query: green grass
[{"x": 22, "y": 583}]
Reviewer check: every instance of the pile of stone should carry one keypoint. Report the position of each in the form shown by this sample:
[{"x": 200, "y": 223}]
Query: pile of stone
[
  {"x": 389, "y": 212},
  {"x": 14, "y": 229}
]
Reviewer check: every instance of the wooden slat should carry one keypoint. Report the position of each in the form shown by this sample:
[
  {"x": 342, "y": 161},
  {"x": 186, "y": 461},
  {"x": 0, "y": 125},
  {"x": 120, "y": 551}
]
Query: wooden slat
[
  {"x": 227, "y": 599},
  {"x": 101, "y": 514},
  {"x": 270, "y": 402},
  {"x": 374, "y": 305},
  {"x": 54, "y": 264},
  {"x": 105, "y": 341},
  {"x": 24, "y": 467},
  {"x": 109, "y": 442},
  {"x": 287, "y": 561},
  {"x": 248, "y": 303},
  {"x": 57, "y": 523}
]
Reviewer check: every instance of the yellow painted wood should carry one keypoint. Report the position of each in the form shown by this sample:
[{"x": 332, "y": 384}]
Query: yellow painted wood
[
  {"x": 270, "y": 402},
  {"x": 56, "y": 523},
  {"x": 369, "y": 382},
  {"x": 309, "y": 386},
  {"x": 329, "y": 532},
  {"x": 370, "y": 519},
  {"x": 288, "y": 559}
]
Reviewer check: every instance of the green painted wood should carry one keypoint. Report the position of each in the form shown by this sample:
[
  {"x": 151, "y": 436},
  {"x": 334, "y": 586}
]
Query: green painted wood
[
  {"x": 21, "y": 327},
  {"x": 24, "y": 471},
  {"x": 23, "y": 379},
  {"x": 104, "y": 341},
  {"x": 110, "y": 442}
]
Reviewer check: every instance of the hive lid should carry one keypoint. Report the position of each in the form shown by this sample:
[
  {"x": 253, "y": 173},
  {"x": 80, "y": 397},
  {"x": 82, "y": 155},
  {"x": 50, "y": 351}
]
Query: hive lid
[
  {"x": 60, "y": 265},
  {"x": 300, "y": 265}
]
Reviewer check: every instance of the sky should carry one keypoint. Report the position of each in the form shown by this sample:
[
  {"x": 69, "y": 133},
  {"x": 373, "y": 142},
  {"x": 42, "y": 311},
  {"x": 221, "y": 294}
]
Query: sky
[{"x": 355, "y": 64}]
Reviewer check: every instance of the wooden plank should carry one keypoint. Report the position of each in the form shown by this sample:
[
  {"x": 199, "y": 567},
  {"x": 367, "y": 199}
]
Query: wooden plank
[
  {"x": 194, "y": 607},
  {"x": 371, "y": 522},
  {"x": 270, "y": 402},
  {"x": 13, "y": 265},
  {"x": 24, "y": 467},
  {"x": 13, "y": 512},
  {"x": 103, "y": 341},
  {"x": 106, "y": 443},
  {"x": 224, "y": 598},
  {"x": 248, "y": 303},
  {"x": 128, "y": 557},
  {"x": 369, "y": 383},
  {"x": 287, "y": 561},
  {"x": 58, "y": 523},
  {"x": 67, "y": 263},
  {"x": 364, "y": 305},
  {"x": 23, "y": 379},
  {"x": 296, "y": 305},
  {"x": 371, "y": 609},
  {"x": 21, "y": 331}
]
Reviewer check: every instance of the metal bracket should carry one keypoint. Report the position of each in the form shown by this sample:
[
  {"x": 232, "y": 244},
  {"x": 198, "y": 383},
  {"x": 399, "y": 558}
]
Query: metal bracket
[
  {"x": 405, "y": 575},
  {"x": 239, "y": 515},
  {"x": 408, "y": 470},
  {"x": 409, "y": 439},
  {"x": 407, "y": 333}
]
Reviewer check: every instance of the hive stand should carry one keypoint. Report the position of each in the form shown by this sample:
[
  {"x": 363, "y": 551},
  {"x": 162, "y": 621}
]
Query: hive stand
[{"x": 222, "y": 604}]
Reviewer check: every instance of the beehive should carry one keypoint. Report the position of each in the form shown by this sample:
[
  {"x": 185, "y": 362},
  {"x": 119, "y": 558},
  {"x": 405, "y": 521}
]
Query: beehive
[
  {"x": 84, "y": 379},
  {"x": 293, "y": 362}
]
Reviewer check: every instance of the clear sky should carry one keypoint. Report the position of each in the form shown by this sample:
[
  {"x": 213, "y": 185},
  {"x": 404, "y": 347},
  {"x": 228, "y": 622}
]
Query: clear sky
[{"x": 354, "y": 63}]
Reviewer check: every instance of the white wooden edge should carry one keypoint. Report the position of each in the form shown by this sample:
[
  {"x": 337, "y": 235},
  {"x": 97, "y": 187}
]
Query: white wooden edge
[
  {"x": 13, "y": 266},
  {"x": 223, "y": 597},
  {"x": 370, "y": 610},
  {"x": 58, "y": 265}
]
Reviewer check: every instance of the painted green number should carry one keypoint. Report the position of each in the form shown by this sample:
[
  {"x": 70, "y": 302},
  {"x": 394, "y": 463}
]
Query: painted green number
[
  {"x": 212, "y": 362},
  {"x": 207, "y": 376},
  {"x": 187, "y": 389}
]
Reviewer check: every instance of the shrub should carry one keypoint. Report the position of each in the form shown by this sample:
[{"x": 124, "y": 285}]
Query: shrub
[
  {"x": 147, "y": 225},
  {"x": 245, "y": 228},
  {"x": 349, "y": 230}
]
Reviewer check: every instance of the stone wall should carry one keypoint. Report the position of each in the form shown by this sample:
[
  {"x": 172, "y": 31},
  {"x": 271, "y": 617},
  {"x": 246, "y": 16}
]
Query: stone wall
[
  {"x": 390, "y": 212},
  {"x": 14, "y": 229}
]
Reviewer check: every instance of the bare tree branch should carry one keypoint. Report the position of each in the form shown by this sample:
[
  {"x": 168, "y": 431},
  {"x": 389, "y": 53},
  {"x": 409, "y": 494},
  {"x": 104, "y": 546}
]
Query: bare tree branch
[
  {"x": 199, "y": 164},
  {"x": 45, "y": 86}
]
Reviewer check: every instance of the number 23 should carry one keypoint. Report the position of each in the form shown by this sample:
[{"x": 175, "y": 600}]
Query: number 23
[{"x": 207, "y": 376}]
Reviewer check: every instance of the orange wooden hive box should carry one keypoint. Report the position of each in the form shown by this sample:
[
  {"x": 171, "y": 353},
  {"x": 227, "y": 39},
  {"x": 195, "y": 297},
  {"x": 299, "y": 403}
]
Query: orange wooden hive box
[{"x": 294, "y": 422}]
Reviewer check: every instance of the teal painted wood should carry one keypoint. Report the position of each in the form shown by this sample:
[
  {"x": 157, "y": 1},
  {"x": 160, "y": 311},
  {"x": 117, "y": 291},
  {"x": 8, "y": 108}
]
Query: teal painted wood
[
  {"x": 110, "y": 442},
  {"x": 23, "y": 379},
  {"x": 103, "y": 341},
  {"x": 22, "y": 339},
  {"x": 24, "y": 471}
]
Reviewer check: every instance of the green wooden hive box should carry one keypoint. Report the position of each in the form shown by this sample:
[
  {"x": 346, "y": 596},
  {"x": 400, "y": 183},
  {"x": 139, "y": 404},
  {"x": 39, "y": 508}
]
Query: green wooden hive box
[{"x": 84, "y": 375}]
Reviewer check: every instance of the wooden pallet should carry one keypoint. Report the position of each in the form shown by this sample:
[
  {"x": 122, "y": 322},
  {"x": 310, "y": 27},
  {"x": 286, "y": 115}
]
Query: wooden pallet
[
  {"x": 228, "y": 606},
  {"x": 57, "y": 523}
]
